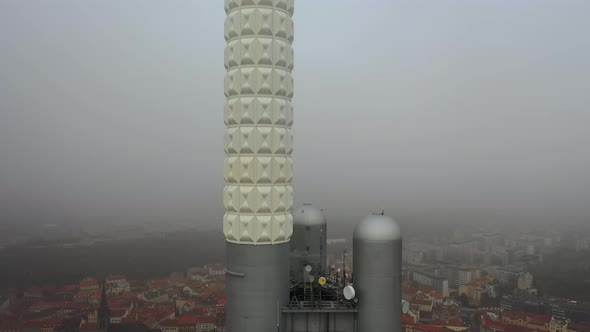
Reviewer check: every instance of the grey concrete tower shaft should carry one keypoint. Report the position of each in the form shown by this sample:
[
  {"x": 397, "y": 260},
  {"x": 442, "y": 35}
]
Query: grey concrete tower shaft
[{"x": 258, "y": 171}]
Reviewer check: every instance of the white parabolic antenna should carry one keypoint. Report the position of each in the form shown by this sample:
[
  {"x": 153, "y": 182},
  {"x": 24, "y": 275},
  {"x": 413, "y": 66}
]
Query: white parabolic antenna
[
  {"x": 348, "y": 292},
  {"x": 308, "y": 268},
  {"x": 405, "y": 306}
]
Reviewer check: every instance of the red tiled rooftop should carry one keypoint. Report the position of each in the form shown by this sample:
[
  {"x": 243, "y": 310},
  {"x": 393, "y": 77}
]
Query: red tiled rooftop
[
  {"x": 89, "y": 282},
  {"x": 49, "y": 304},
  {"x": 130, "y": 319},
  {"x": 578, "y": 327},
  {"x": 428, "y": 328},
  {"x": 169, "y": 322},
  {"x": 421, "y": 302},
  {"x": 453, "y": 321},
  {"x": 516, "y": 328},
  {"x": 118, "y": 312},
  {"x": 127, "y": 296},
  {"x": 88, "y": 327},
  {"x": 10, "y": 325},
  {"x": 117, "y": 304},
  {"x": 188, "y": 319},
  {"x": 44, "y": 323},
  {"x": 147, "y": 310},
  {"x": 175, "y": 291},
  {"x": 407, "y": 319},
  {"x": 437, "y": 295},
  {"x": 80, "y": 295},
  {"x": 206, "y": 319},
  {"x": 150, "y": 319},
  {"x": 487, "y": 322},
  {"x": 529, "y": 317}
]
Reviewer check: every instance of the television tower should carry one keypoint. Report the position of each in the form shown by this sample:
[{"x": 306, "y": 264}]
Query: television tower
[{"x": 258, "y": 170}]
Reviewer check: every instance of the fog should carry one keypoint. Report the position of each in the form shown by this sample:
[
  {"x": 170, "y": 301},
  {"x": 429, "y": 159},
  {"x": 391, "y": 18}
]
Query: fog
[{"x": 435, "y": 111}]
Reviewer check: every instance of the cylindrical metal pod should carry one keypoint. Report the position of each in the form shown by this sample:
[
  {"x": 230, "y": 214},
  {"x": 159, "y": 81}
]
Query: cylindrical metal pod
[
  {"x": 377, "y": 258},
  {"x": 258, "y": 170},
  {"x": 308, "y": 243}
]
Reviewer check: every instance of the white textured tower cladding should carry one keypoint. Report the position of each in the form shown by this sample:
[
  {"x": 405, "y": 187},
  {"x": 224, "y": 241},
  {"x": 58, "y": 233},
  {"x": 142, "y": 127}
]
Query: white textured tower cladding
[{"x": 258, "y": 116}]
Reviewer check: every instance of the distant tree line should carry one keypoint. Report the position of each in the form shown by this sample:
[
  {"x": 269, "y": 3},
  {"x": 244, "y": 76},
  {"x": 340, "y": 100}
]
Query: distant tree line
[{"x": 24, "y": 266}]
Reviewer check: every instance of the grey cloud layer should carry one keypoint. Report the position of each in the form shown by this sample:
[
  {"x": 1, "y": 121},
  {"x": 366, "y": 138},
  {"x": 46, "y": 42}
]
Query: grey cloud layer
[{"x": 462, "y": 110}]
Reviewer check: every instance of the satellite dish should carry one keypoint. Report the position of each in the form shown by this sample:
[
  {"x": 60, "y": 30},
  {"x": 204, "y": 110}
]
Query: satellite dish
[
  {"x": 348, "y": 292},
  {"x": 322, "y": 281},
  {"x": 308, "y": 268},
  {"x": 405, "y": 306},
  {"x": 311, "y": 278}
]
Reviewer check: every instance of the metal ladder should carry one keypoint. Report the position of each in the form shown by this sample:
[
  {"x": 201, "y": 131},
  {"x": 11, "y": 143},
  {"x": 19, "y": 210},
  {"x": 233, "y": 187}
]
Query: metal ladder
[{"x": 307, "y": 293}]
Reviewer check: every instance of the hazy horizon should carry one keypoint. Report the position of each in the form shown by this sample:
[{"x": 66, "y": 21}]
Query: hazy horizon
[{"x": 466, "y": 111}]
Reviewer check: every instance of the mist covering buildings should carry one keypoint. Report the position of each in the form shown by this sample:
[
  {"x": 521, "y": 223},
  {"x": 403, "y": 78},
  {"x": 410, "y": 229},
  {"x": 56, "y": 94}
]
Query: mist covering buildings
[{"x": 486, "y": 153}]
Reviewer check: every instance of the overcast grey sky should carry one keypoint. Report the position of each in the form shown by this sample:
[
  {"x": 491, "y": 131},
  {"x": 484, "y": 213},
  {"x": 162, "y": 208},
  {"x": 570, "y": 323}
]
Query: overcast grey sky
[{"x": 432, "y": 110}]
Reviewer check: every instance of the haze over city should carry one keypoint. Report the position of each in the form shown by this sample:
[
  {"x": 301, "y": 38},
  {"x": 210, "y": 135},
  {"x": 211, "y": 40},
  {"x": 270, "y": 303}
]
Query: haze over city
[
  {"x": 294, "y": 165},
  {"x": 464, "y": 111}
]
